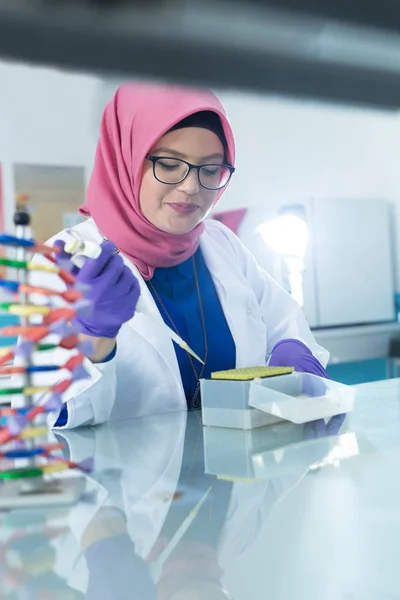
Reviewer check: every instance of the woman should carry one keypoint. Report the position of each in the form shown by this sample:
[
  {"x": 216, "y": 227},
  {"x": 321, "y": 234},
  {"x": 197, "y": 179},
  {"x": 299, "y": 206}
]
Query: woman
[{"x": 164, "y": 158}]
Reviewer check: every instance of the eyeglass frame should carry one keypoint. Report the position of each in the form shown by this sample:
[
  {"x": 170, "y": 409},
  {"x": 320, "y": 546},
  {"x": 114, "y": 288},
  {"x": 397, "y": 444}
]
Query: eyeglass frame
[{"x": 154, "y": 159}]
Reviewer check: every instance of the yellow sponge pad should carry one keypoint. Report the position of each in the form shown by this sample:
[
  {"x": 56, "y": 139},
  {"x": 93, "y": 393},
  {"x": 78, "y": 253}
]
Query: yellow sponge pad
[{"x": 249, "y": 373}]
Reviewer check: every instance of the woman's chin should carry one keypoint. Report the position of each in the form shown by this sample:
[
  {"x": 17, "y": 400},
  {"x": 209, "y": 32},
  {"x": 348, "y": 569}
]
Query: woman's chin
[{"x": 183, "y": 227}]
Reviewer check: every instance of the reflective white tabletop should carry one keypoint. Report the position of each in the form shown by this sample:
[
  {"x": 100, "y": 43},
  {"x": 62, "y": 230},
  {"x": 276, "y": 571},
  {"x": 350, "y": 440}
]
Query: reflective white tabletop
[{"x": 176, "y": 512}]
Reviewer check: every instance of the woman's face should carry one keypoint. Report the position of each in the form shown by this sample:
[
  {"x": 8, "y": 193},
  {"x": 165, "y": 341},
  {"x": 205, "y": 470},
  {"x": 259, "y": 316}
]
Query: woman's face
[{"x": 180, "y": 207}]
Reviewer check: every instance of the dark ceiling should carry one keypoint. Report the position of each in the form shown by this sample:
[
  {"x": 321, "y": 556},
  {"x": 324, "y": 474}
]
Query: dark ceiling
[{"x": 323, "y": 49}]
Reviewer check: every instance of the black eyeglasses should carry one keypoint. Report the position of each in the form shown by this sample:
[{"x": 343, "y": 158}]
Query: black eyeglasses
[{"x": 175, "y": 170}]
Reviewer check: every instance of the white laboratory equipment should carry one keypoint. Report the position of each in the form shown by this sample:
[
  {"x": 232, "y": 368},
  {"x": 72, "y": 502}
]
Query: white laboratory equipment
[{"x": 336, "y": 256}]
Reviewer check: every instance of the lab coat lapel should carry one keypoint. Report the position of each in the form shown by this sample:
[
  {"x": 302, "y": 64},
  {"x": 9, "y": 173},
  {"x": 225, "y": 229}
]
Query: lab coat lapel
[{"x": 238, "y": 303}]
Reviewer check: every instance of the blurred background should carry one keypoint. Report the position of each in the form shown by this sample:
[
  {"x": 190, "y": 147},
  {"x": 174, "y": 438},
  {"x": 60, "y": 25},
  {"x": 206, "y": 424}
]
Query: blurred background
[{"x": 313, "y": 94}]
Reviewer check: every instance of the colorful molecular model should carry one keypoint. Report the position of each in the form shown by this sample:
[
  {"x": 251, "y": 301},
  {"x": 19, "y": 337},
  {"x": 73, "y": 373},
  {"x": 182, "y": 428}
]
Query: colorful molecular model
[{"x": 23, "y": 431}]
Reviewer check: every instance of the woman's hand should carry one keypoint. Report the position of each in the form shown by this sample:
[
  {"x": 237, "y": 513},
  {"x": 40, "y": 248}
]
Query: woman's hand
[
  {"x": 114, "y": 294},
  {"x": 293, "y": 353},
  {"x": 320, "y": 428}
]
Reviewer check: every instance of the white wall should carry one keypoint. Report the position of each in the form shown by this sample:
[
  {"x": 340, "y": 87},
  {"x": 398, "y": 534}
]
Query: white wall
[
  {"x": 290, "y": 150},
  {"x": 46, "y": 118}
]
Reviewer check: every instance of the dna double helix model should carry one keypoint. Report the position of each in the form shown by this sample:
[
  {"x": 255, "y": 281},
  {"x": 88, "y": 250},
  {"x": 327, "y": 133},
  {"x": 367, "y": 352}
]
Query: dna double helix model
[{"x": 44, "y": 322}]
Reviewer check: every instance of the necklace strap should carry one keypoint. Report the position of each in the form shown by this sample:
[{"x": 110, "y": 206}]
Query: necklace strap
[{"x": 195, "y": 405}]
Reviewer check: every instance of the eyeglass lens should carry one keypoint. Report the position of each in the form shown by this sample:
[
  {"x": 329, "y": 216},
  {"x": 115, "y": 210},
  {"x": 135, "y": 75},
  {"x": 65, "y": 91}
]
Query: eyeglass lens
[{"x": 174, "y": 170}]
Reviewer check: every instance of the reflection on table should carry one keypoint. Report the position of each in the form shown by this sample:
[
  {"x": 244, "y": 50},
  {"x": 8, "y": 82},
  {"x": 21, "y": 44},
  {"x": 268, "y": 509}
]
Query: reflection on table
[{"x": 174, "y": 511}]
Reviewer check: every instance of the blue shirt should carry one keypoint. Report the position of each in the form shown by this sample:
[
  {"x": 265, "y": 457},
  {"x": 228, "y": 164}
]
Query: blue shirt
[{"x": 176, "y": 287}]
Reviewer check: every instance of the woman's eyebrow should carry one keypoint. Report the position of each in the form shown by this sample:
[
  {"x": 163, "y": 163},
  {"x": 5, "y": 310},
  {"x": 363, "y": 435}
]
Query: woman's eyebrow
[
  {"x": 169, "y": 151},
  {"x": 211, "y": 156}
]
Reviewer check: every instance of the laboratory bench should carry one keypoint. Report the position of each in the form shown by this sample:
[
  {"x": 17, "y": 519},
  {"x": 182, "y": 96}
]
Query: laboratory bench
[
  {"x": 360, "y": 353},
  {"x": 172, "y": 510}
]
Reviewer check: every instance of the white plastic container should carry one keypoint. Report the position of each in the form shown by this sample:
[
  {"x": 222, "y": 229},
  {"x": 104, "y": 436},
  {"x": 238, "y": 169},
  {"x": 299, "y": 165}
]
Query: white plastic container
[
  {"x": 298, "y": 398},
  {"x": 301, "y": 397},
  {"x": 226, "y": 404}
]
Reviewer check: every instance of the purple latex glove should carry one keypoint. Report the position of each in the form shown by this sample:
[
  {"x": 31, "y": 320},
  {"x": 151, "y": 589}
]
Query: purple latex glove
[
  {"x": 293, "y": 353},
  {"x": 64, "y": 259},
  {"x": 318, "y": 429},
  {"x": 114, "y": 292}
]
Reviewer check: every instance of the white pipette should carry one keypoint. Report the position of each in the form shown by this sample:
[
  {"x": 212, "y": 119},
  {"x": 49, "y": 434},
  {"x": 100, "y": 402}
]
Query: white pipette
[
  {"x": 157, "y": 567},
  {"x": 82, "y": 249}
]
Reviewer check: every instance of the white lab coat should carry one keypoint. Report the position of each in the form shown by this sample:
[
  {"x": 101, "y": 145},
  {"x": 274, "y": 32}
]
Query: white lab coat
[{"x": 144, "y": 378}]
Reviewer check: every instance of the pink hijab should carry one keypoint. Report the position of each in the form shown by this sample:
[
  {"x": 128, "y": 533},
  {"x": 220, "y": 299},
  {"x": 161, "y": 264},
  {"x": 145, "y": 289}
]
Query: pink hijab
[{"x": 133, "y": 121}]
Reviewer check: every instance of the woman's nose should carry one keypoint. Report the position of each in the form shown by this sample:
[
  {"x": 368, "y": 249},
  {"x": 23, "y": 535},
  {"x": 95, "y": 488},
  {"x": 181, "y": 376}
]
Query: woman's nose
[{"x": 191, "y": 184}]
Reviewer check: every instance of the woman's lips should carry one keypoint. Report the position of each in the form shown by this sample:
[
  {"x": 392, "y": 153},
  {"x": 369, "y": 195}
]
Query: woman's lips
[{"x": 182, "y": 208}]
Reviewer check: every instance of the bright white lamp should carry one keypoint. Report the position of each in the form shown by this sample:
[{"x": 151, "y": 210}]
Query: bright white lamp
[{"x": 287, "y": 235}]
